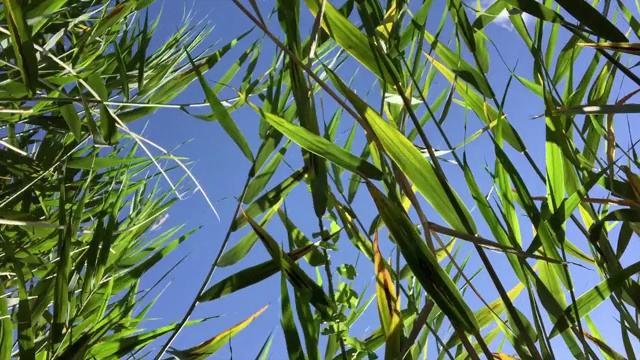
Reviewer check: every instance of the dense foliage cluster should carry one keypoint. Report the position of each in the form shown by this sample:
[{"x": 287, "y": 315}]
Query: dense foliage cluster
[{"x": 81, "y": 194}]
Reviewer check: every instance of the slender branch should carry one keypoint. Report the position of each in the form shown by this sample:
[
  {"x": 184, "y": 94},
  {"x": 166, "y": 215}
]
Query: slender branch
[
  {"x": 104, "y": 102},
  {"x": 209, "y": 275}
]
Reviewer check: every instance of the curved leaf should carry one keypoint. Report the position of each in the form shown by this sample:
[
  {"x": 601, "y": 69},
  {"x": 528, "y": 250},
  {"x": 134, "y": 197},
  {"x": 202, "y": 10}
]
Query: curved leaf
[
  {"x": 322, "y": 147},
  {"x": 207, "y": 348}
]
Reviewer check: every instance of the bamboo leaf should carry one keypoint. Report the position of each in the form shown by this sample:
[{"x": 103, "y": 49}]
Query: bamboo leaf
[
  {"x": 536, "y": 9},
  {"x": 321, "y": 146},
  {"x": 291, "y": 336},
  {"x": 175, "y": 85},
  {"x": 460, "y": 67},
  {"x": 120, "y": 347},
  {"x": 61, "y": 292},
  {"x": 625, "y": 47},
  {"x": 72, "y": 119},
  {"x": 388, "y": 306},
  {"x": 6, "y": 328},
  {"x": 423, "y": 263},
  {"x": 22, "y": 44},
  {"x": 270, "y": 198},
  {"x": 266, "y": 346},
  {"x": 593, "y": 19},
  {"x": 289, "y": 15},
  {"x": 604, "y": 347},
  {"x": 298, "y": 278},
  {"x": 108, "y": 128},
  {"x": 209, "y": 347},
  {"x": 99, "y": 163},
  {"x": 433, "y": 187},
  {"x": 487, "y": 113},
  {"x": 266, "y": 173},
  {"x": 315, "y": 257},
  {"x": 353, "y": 40},
  {"x": 248, "y": 276},
  {"x": 26, "y": 338},
  {"x": 593, "y": 298},
  {"x": 222, "y": 114},
  {"x": 310, "y": 326},
  {"x": 242, "y": 248}
]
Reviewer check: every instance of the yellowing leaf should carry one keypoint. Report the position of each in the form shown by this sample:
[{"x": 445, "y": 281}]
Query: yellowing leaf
[
  {"x": 423, "y": 263},
  {"x": 388, "y": 305},
  {"x": 634, "y": 180},
  {"x": 503, "y": 356},
  {"x": 209, "y": 347},
  {"x": 629, "y": 48}
]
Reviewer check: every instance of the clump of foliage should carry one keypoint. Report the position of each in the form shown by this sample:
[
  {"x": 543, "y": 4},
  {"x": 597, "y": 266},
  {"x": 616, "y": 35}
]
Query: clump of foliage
[
  {"x": 80, "y": 194},
  {"x": 71, "y": 95}
]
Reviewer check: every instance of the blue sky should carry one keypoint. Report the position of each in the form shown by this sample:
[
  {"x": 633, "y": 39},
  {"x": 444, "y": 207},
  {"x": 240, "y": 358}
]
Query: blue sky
[{"x": 221, "y": 170}]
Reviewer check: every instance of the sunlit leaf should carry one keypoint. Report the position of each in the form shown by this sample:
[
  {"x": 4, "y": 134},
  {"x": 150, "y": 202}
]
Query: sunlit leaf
[{"x": 211, "y": 346}]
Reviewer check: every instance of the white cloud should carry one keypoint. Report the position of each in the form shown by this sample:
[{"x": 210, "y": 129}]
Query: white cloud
[
  {"x": 159, "y": 221},
  {"x": 502, "y": 19}
]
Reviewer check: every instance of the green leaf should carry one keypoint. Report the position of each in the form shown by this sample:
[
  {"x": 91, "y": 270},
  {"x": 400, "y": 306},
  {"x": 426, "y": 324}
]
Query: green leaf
[
  {"x": 108, "y": 128},
  {"x": 348, "y": 271},
  {"x": 70, "y": 115},
  {"x": 99, "y": 163},
  {"x": 26, "y": 338},
  {"x": 266, "y": 173},
  {"x": 209, "y": 347},
  {"x": 485, "y": 112},
  {"x": 289, "y": 16},
  {"x": 241, "y": 249},
  {"x": 61, "y": 292},
  {"x": 117, "y": 14},
  {"x": 310, "y": 325},
  {"x": 222, "y": 114},
  {"x": 464, "y": 28},
  {"x": 459, "y": 66},
  {"x": 488, "y": 15},
  {"x": 593, "y": 298},
  {"x": 315, "y": 257},
  {"x": 600, "y": 109},
  {"x": 388, "y": 306},
  {"x": 417, "y": 168},
  {"x": 296, "y": 276},
  {"x": 22, "y": 43},
  {"x": 249, "y": 276},
  {"x": 123, "y": 346},
  {"x": 6, "y": 328},
  {"x": 536, "y": 9},
  {"x": 593, "y": 19},
  {"x": 423, "y": 263},
  {"x": 322, "y": 147},
  {"x": 289, "y": 328},
  {"x": 353, "y": 40},
  {"x": 270, "y": 198},
  {"x": 178, "y": 82},
  {"x": 266, "y": 346}
]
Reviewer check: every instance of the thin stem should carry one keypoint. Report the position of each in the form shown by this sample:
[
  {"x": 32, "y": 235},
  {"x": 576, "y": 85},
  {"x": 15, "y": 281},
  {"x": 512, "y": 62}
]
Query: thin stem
[
  {"x": 209, "y": 275},
  {"x": 103, "y": 102}
]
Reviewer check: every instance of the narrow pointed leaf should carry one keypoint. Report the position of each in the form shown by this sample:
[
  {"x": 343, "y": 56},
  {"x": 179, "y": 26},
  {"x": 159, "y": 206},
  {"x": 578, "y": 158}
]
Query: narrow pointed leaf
[
  {"x": 211, "y": 346},
  {"x": 423, "y": 263},
  {"x": 249, "y": 276},
  {"x": 222, "y": 114},
  {"x": 21, "y": 41},
  {"x": 435, "y": 189},
  {"x": 295, "y": 275},
  {"x": 322, "y": 147},
  {"x": 388, "y": 306},
  {"x": 593, "y": 298}
]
